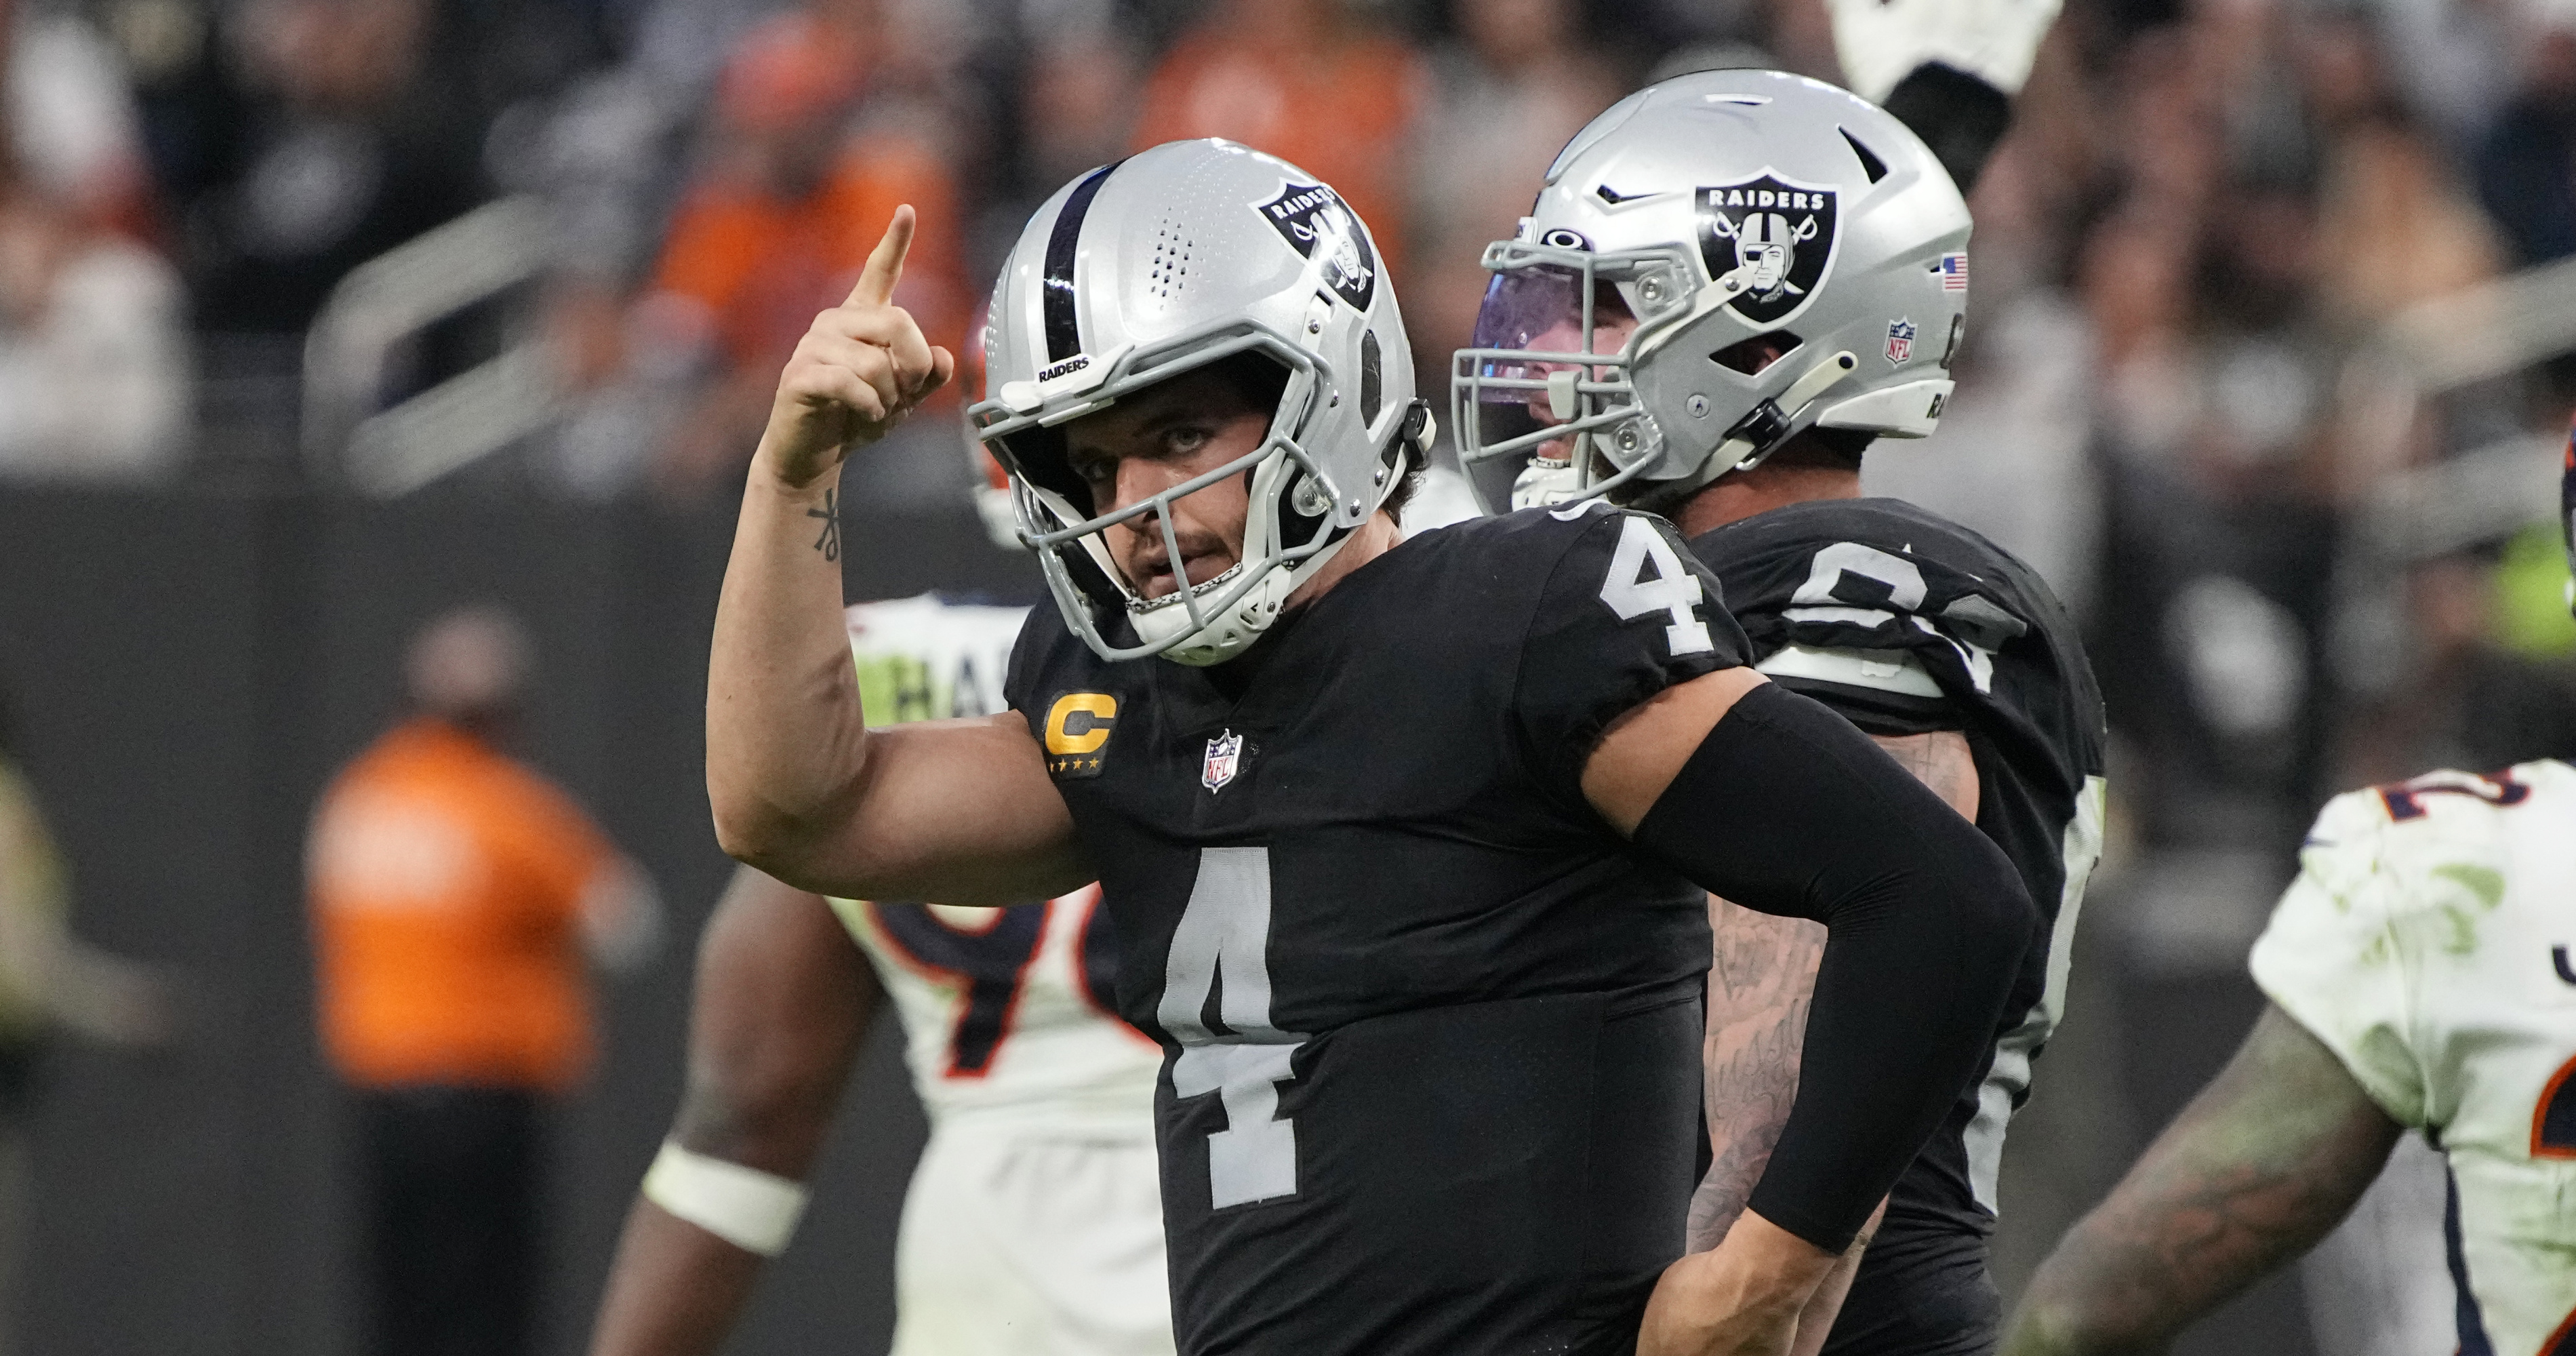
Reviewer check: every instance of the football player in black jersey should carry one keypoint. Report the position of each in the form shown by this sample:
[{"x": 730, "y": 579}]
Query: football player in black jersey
[
  {"x": 1730, "y": 286},
  {"x": 1405, "y": 842}
]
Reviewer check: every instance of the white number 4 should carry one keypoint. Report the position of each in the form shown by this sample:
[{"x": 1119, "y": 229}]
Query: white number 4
[
  {"x": 1221, "y": 949},
  {"x": 1673, "y": 588}
]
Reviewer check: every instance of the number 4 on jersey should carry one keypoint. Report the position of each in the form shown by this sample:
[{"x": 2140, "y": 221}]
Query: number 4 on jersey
[
  {"x": 1632, "y": 593},
  {"x": 1220, "y": 951}
]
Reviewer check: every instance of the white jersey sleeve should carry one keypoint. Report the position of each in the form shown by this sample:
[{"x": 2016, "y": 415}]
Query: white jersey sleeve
[
  {"x": 2427, "y": 942},
  {"x": 2329, "y": 957}
]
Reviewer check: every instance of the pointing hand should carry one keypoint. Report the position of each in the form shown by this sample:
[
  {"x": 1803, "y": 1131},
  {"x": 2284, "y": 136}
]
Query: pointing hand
[{"x": 856, "y": 374}]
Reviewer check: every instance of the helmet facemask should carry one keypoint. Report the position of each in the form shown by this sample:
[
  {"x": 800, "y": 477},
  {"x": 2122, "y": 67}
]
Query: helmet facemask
[
  {"x": 1184, "y": 256},
  {"x": 1810, "y": 269},
  {"x": 1544, "y": 400},
  {"x": 1296, "y": 515},
  {"x": 1551, "y": 389}
]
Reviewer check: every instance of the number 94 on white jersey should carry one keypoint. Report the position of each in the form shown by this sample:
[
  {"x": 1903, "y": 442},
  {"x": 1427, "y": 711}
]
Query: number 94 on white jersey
[{"x": 1010, "y": 1014}]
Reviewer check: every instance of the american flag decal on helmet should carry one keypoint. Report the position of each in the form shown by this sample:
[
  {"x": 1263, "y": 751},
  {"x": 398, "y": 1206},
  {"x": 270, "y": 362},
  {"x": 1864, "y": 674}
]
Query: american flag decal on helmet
[{"x": 1954, "y": 272}]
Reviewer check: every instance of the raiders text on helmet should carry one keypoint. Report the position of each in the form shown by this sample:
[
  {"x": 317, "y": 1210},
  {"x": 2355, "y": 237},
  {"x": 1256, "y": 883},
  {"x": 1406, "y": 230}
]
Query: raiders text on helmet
[
  {"x": 1185, "y": 255},
  {"x": 1715, "y": 264}
]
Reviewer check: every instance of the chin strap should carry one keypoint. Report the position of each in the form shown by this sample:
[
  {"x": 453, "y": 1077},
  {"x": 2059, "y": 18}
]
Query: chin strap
[{"x": 1757, "y": 435}]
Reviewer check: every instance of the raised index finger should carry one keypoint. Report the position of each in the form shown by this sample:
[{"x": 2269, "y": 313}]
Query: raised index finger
[{"x": 875, "y": 286}]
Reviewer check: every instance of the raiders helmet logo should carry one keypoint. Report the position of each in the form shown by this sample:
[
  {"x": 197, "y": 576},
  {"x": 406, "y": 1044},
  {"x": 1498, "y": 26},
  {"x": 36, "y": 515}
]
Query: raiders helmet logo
[
  {"x": 1311, "y": 217},
  {"x": 1775, "y": 238}
]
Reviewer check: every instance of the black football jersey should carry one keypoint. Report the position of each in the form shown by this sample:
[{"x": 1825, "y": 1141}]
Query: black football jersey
[
  {"x": 1905, "y": 622},
  {"x": 1432, "y": 1033}
]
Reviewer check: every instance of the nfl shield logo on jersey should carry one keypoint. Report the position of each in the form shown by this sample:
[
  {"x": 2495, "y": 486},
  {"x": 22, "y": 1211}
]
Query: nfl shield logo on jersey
[
  {"x": 1224, "y": 759},
  {"x": 1900, "y": 342}
]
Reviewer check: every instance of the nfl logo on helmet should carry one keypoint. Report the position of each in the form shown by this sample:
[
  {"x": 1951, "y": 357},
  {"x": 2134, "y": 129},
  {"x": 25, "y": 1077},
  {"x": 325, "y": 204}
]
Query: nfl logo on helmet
[
  {"x": 1900, "y": 342},
  {"x": 1224, "y": 759}
]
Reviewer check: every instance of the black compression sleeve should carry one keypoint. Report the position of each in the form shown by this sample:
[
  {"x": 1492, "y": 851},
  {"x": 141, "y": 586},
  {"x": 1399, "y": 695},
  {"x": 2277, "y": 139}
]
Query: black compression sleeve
[
  {"x": 1958, "y": 115},
  {"x": 1787, "y": 809}
]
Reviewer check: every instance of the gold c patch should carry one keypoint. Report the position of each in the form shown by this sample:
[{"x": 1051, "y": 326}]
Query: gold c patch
[{"x": 1077, "y": 733}]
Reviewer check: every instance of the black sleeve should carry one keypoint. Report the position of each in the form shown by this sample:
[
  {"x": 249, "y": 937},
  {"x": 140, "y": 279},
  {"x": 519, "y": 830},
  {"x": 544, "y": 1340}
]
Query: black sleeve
[
  {"x": 1023, "y": 680},
  {"x": 1785, "y": 808},
  {"x": 1959, "y": 116},
  {"x": 1626, "y": 612}
]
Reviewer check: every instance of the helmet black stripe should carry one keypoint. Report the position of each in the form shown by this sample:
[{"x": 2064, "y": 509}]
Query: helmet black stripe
[{"x": 1063, "y": 335}]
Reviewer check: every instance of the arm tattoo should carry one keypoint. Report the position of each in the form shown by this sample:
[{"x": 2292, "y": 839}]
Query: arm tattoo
[
  {"x": 1759, "y": 986},
  {"x": 2263, "y": 1164},
  {"x": 1940, "y": 760},
  {"x": 829, "y": 543}
]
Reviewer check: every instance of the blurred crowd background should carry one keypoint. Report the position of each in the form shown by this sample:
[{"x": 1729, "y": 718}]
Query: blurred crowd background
[
  {"x": 559, "y": 248},
  {"x": 2268, "y": 363}
]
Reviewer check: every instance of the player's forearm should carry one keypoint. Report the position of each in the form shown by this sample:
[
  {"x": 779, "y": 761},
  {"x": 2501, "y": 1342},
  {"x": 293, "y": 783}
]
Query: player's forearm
[
  {"x": 674, "y": 1289},
  {"x": 2267, "y": 1160},
  {"x": 2140, "y": 1269},
  {"x": 1744, "y": 1296},
  {"x": 785, "y": 735},
  {"x": 1917, "y": 964},
  {"x": 1788, "y": 809},
  {"x": 778, "y": 1130},
  {"x": 785, "y": 738},
  {"x": 1759, "y": 990},
  {"x": 783, "y": 999},
  {"x": 1763, "y": 974},
  {"x": 1816, "y": 1321}
]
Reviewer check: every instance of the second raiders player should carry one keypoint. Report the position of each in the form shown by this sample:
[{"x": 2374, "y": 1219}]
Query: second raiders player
[
  {"x": 1732, "y": 283},
  {"x": 1404, "y": 841}
]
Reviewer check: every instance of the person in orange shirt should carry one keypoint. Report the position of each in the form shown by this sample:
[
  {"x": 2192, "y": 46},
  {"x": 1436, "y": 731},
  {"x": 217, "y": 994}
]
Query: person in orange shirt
[
  {"x": 777, "y": 225},
  {"x": 454, "y": 893},
  {"x": 1306, "y": 82}
]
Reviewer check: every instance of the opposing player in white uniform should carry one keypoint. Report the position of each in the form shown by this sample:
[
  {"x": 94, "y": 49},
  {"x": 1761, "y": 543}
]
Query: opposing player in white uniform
[
  {"x": 2422, "y": 974},
  {"x": 1033, "y": 1225}
]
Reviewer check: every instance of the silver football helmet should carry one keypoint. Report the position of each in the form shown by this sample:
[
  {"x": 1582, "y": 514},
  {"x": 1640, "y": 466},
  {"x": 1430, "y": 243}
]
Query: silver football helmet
[
  {"x": 1716, "y": 264},
  {"x": 1178, "y": 257},
  {"x": 991, "y": 485}
]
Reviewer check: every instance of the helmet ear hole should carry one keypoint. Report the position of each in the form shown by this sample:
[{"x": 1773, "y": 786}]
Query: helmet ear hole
[
  {"x": 1370, "y": 379},
  {"x": 1751, "y": 356},
  {"x": 1870, "y": 164}
]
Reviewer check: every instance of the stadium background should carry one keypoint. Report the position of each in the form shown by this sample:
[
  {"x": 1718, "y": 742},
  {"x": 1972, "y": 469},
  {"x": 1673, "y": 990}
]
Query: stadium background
[{"x": 2265, "y": 372}]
